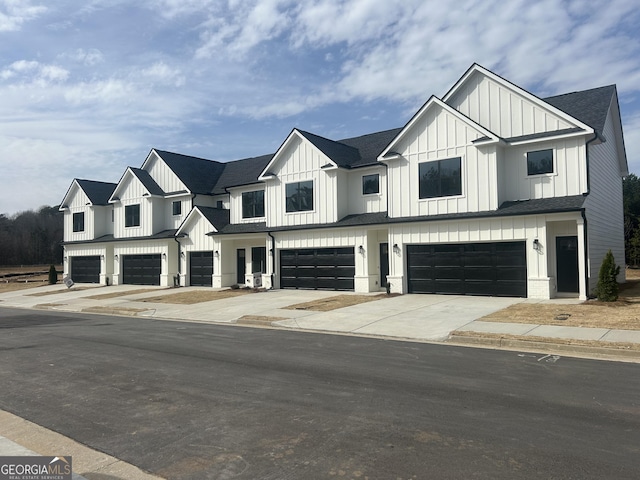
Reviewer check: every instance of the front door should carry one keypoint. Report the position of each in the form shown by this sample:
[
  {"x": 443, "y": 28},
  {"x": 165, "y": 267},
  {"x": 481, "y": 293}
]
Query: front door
[
  {"x": 384, "y": 264},
  {"x": 241, "y": 266},
  {"x": 567, "y": 264}
]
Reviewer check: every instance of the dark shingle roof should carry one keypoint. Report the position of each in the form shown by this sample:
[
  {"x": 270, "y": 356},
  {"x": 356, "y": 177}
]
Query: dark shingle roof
[
  {"x": 588, "y": 106},
  {"x": 110, "y": 238},
  {"x": 149, "y": 183},
  {"x": 343, "y": 155},
  {"x": 198, "y": 174},
  {"x": 241, "y": 172},
  {"x": 218, "y": 217},
  {"x": 98, "y": 192},
  {"x": 371, "y": 145}
]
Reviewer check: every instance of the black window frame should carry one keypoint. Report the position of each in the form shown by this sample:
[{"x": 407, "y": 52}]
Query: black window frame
[
  {"x": 538, "y": 162},
  {"x": 300, "y": 200},
  {"x": 78, "y": 222},
  {"x": 132, "y": 215},
  {"x": 439, "y": 186},
  {"x": 253, "y": 204},
  {"x": 368, "y": 182},
  {"x": 176, "y": 207}
]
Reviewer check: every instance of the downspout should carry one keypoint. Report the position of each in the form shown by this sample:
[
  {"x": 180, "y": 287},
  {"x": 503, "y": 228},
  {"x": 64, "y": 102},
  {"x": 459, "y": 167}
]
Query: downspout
[
  {"x": 273, "y": 256},
  {"x": 176, "y": 280},
  {"x": 584, "y": 218}
]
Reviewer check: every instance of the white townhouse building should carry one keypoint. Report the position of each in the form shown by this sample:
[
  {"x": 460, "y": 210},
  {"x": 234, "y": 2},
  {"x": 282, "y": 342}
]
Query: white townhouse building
[{"x": 488, "y": 190}]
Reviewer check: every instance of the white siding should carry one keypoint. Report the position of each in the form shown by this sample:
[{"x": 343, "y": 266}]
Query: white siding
[
  {"x": 440, "y": 135},
  {"x": 569, "y": 175},
  {"x": 355, "y": 201},
  {"x": 604, "y": 209},
  {"x": 163, "y": 175},
  {"x": 503, "y": 110},
  {"x": 131, "y": 193},
  {"x": 235, "y": 204},
  {"x": 301, "y": 161},
  {"x": 78, "y": 204}
]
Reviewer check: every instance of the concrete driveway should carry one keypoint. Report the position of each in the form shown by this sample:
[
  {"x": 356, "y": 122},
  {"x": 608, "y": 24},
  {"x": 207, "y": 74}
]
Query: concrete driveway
[{"x": 420, "y": 317}]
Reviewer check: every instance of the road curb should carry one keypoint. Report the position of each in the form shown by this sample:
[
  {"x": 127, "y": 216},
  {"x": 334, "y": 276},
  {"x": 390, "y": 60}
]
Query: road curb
[{"x": 547, "y": 345}]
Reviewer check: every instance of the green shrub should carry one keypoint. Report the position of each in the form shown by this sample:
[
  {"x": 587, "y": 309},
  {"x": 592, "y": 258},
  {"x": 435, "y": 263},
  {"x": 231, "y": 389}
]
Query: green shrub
[
  {"x": 607, "y": 289},
  {"x": 53, "y": 275}
]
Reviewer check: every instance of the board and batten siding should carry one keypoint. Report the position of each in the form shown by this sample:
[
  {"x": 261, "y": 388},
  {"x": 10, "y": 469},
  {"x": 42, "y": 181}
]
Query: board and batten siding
[
  {"x": 355, "y": 201},
  {"x": 569, "y": 175},
  {"x": 604, "y": 205},
  {"x": 502, "y": 110},
  {"x": 78, "y": 204},
  {"x": 131, "y": 194},
  {"x": 299, "y": 162},
  {"x": 437, "y": 136},
  {"x": 235, "y": 204},
  {"x": 163, "y": 175}
]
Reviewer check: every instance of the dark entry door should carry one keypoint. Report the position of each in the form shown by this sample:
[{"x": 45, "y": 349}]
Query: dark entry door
[
  {"x": 241, "y": 265},
  {"x": 201, "y": 269},
  {"x": 567, "y": 264},
  {"x": 384, "y": 263}
]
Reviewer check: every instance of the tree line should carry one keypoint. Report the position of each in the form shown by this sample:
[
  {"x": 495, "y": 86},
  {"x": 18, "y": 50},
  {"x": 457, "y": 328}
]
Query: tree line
[{"x": 31, "y": 237}]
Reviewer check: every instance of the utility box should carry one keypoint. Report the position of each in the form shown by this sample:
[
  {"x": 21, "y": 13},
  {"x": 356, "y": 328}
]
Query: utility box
[{"x": 254, "y": 280}]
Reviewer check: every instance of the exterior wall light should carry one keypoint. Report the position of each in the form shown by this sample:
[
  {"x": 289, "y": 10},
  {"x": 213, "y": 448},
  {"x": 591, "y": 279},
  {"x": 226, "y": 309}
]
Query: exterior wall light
[
  {"x": 216, "y": 254},
  {"x": 164, "y": 256},
  {"x": 536, "y": 245},
  {"x": 361, "y": 249},
  {"x": 396, "y": 249},
  {"x": 115, "y": 256}
]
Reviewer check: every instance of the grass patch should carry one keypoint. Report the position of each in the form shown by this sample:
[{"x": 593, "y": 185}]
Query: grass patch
[
  {"x": 333, "y": 303},
  {"x": 197, "y": 296},
  {"x": 56, "y": 292}
]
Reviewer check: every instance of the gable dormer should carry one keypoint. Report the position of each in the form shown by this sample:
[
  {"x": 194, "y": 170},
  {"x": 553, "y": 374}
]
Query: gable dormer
[
  {"x": 441, "y": 162},
  {"x": 508, "y": 110},
  {"x": 87, "y": 213}
]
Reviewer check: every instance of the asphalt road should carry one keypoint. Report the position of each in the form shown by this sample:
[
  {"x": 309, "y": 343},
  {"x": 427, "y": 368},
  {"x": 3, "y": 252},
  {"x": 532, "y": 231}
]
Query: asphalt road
[{"x": 194, "y": 401}]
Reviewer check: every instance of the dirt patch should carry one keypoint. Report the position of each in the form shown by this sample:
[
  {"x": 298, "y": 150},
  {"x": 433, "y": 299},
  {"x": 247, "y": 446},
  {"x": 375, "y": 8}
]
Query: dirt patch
[
  {"x": 554, "y": 341},
  {"x": 6, "y": 287},
  {"x": 21, "y": 277},
  {"x": 56, "y": 292},
  {"x": 333, "y": 303},
  {"x": 106, "y": 296},
  {"x": 115, "y": 310},
  {"x": 197, "y": 296},
  {"x": 622, "y": 314}
]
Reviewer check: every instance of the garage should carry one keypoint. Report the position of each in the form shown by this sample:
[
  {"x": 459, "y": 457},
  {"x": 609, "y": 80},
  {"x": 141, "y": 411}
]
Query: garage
[
  {"x": 318, "y": 268},
  {"x": 200, "y": 269},
  {"x": 85, "y": 269},
  {"x": 141, "y": 269},
  {"x": 497, "y": 269}
]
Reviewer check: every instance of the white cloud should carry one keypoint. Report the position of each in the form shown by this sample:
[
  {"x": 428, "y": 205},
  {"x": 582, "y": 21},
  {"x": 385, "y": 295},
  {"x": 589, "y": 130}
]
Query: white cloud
[{"x": 14, "y": 13}]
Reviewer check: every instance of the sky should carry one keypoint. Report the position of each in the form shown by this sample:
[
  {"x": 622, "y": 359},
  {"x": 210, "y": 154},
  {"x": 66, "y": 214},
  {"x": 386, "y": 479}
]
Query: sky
[{"x": 89, "y": 87}]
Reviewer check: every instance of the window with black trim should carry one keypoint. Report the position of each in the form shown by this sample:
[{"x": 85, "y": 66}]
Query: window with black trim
[
  {"x": 441, "y": 178},
  {"x": 253, "y": 204},
  {"x": 78, "y": 222},
  {"x": 371, "y": 184},
  {"x": 132, "y": 215},
  {"x": 540, "y": 162},
  {"x": 299, "y": 196},
  {"x": 176, "y": 207}
]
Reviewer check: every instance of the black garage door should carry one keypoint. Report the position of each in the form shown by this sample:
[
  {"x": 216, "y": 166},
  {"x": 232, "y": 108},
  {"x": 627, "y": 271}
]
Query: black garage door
[
  {"x": 497, "y": 269},
  {"x": 200, "y": 269},
  {"x": 141, "y": 269},
  {"x": 85, "y": 269},
  {"x": 318, "y": 268}
]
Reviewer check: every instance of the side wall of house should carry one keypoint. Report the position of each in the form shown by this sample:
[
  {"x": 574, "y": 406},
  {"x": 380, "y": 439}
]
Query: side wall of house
[
  {"x": 356, "y": 201},
  {"x": 78, "y": 204},
  {"x": 604, "y": 205}
]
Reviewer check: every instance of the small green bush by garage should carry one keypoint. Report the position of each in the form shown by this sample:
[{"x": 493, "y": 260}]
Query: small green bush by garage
[
  {"x": 607, "y": 289},
  {"x": 53, "y": 275}
]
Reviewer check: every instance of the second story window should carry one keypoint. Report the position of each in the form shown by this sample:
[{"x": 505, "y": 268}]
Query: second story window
[
  {"x": 78, "y": 222},
  {"x": 253, "y": 204},
  {"x": 371, "y": 184},
  {"x": 442, "y": 178},
  {"x": 299, "y": 196},
  {"x": 540, "y": 162},
  {"x": 176, "y": 207},
  {"x": 132, "y": 215}
]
